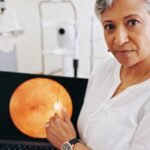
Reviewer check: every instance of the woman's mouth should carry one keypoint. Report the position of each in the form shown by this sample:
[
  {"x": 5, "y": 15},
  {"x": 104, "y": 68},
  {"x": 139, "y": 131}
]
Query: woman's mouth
[{"x": 123, "y": 53}]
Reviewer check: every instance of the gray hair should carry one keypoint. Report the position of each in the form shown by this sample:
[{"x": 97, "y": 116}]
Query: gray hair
[{"x": 102, "y": 5}]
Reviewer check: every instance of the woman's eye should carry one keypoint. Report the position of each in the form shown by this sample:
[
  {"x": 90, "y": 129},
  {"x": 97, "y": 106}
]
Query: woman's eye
[
  {"x": 109, "y": 27},
  {"x": 133, "y": 22}
]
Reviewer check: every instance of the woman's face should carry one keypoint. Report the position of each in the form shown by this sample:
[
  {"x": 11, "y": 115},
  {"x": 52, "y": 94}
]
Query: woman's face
[{"x": 127, "y": 31}]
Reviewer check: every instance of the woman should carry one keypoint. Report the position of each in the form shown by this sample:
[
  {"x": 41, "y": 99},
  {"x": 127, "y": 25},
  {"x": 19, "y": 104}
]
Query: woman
[{"x": 116, "y": 110}]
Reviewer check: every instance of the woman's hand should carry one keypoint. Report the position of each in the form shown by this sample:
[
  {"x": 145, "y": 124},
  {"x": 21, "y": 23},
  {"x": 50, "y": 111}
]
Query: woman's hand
[{"x": 59, "y": 130}]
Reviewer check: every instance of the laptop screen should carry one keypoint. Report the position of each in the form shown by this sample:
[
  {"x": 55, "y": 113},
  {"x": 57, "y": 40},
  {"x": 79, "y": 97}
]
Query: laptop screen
[{"x": 10, "y": 81}]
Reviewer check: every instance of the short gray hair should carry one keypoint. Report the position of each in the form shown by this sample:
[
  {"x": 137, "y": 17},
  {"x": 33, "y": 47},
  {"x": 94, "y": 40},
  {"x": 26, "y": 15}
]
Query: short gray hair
[{"x": 102, "y": 5}]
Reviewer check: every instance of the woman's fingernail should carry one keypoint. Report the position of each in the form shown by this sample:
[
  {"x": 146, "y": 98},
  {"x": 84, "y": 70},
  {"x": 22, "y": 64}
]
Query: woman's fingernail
[{"x": 46, "y": 124}]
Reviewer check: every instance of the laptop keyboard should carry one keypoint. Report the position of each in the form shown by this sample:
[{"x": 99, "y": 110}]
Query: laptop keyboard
[{"x": 25, "y": 146}]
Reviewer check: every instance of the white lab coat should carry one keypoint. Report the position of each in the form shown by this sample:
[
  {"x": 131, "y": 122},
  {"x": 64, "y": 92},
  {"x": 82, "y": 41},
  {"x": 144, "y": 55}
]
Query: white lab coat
[{"x": 118, "y": 123}]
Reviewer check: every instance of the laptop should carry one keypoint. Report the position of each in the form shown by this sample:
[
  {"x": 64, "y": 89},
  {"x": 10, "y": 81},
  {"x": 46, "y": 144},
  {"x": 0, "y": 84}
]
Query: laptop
[{"x": 11, "y": 138}]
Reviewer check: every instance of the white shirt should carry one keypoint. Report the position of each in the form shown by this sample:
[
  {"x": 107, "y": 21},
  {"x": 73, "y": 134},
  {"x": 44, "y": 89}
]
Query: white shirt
[{"x": 118, "y": 123}]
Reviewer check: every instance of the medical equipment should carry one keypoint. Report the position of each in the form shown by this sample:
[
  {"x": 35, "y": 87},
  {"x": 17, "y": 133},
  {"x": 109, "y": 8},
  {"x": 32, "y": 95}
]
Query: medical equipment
[
  {"x": 9, "y": 32},
  {"x": 67, "y": 36},
  {"x": 9, "y": 28},
  {"x": 97, "y": 42}
]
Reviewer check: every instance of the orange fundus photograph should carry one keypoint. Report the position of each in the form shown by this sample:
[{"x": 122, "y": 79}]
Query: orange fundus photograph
[{"x": 34, "y": 102}]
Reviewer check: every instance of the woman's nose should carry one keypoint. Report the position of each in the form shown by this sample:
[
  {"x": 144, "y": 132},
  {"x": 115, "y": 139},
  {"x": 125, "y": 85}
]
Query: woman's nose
[{"x": 121, "y": 36}]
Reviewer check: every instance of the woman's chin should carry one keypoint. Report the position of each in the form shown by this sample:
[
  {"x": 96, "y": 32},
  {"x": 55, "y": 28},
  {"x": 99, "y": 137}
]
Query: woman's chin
[{"x": 126, "y": 62}]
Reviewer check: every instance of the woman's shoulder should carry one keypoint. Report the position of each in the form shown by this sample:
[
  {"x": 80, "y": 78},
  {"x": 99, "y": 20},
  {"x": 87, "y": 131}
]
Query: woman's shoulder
[
  {"x": 105, "y": 66},
  {"x": 146, "y": 105}
]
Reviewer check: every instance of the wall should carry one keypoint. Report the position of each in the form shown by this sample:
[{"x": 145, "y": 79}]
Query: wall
[{"x": 29, "y": 44}]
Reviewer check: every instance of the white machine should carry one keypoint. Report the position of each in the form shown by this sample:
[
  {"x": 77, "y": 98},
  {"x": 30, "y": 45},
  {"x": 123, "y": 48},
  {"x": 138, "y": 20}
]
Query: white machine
[
  {"x": 9, "y": 32},
  {"x": 67, "y": 37}
]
